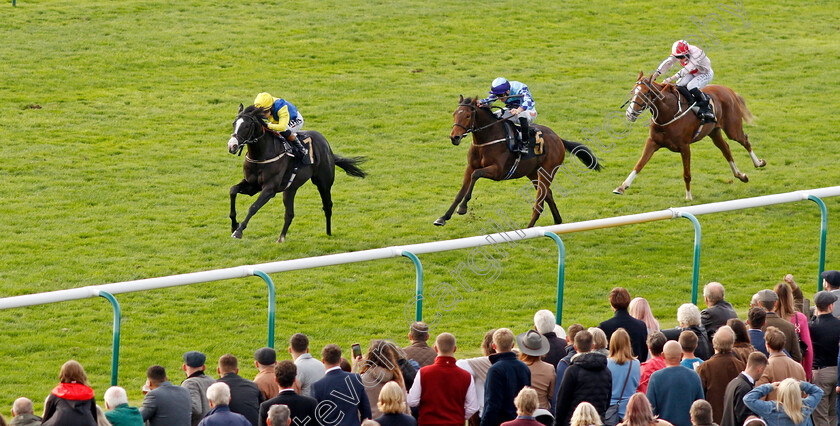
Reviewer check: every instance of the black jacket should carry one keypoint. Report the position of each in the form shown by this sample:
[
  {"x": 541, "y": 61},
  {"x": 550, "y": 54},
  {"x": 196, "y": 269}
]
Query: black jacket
[
  {"x": 704, "y": 349},
  {"x": 505, "y": 378},
  {"x": 556, "y": 349},
  {"x": 735, "y": 412},
  {"x": 587, "y": 379},
  {"x": 300, "y": 407},
  {"x": 634, "y": 327},
  {"x": 245, "y": 396},
  {"x": 716, "y": 316}
]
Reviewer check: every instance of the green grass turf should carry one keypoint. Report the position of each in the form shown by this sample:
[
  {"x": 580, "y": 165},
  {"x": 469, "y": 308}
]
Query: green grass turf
[{"x": 123, "y": 173}]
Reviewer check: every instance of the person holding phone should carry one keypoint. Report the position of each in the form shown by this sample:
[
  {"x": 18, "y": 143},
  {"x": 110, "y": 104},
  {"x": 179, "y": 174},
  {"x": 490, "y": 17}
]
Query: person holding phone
[{"x": 377, "y": 368}]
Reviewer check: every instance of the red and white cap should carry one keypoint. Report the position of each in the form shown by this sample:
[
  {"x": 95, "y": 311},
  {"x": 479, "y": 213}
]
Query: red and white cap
[{"x": 680, "y": 48}]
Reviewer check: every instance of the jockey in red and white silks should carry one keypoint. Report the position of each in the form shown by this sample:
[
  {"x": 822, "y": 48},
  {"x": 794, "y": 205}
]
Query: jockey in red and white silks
[{"x": 696, "y": 73}]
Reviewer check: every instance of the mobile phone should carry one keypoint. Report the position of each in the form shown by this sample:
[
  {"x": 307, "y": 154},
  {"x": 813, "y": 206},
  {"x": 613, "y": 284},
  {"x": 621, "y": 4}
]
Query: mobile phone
[{"x": 357, "y": 350}]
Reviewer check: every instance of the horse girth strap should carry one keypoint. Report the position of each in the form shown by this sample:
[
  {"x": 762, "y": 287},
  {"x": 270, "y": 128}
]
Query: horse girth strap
[
  {"x": 271, "y": 160},
  {"x": 489, "y": 143}
]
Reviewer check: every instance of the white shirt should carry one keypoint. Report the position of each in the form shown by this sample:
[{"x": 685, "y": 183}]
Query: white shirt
[
  {"x": 698, "y": 62},
  {"x": 470, "y": 403}
]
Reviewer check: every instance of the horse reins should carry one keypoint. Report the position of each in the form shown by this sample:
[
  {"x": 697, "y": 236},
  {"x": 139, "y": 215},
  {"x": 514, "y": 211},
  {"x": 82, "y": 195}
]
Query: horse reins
[
  {"x": 255, "y": 139},
  {"x": 472, "y": 129},
  {"x": 645, "y": 107}
]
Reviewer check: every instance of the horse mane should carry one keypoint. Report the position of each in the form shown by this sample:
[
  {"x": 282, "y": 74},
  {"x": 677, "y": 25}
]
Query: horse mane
[{"x": 469, "y": 101}]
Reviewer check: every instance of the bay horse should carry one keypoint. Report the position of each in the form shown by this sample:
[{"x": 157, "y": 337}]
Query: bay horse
[
  {"x": 268, "y": 169},
  {"x": 489, "y": 157},
  {"x": 675, "y": 127}
]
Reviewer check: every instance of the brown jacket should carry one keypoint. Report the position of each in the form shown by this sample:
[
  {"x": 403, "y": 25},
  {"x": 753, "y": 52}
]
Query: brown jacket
[
  {"x": 543, "y": 376},
  {"x": 374, "y": 379},
  {"x": 742, "y": 351},
  {"x": 422, "y": 353},
  {"x": 791, "y": 339},
  {"x": 715, "y": 374},
  {"x": 779, "y": 367}
]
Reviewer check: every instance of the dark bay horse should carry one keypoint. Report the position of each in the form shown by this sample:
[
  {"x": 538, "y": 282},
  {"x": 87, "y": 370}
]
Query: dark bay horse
[
  {"x": 675, "y": 127},
  {"x": 268, "y": 169},
  {"x": 490, "y": 158}
]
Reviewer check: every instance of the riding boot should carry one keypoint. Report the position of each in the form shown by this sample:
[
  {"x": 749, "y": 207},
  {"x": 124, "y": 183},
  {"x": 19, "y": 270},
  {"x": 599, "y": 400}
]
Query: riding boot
[
  {"x": 523, "y": 126},
  {"x": 702, "y": 105},
  {"x": 297, "y": 148}
]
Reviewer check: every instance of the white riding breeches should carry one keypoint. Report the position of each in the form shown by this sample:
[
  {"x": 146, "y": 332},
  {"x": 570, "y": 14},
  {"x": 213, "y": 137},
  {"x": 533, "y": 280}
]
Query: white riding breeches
[
  {"x": 530, "y": 114},
  {"x": 295, "y": 124},
  {"x": 696, "y": 81}
]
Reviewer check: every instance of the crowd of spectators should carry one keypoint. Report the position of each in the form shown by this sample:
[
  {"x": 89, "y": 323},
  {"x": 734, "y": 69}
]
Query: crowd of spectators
[{"x": 777, "y": 366}]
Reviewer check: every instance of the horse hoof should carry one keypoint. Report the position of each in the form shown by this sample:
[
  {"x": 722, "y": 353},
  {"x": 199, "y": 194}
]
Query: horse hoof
[
  {"x": 761, "y": 163},
  {"x": 462, "y": 210},
  {"x": 281, "y": 239},
  {"x": 619, "y": 191},
  {"x": 744, "y": 178},
  {"x": 440, "y": 222},
  {"x": 237, "y": 235}
]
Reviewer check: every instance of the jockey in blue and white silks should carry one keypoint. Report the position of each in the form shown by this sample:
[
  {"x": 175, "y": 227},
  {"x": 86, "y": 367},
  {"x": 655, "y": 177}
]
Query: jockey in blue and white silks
[
  {"x": 518, "y": 101},
  {"x": 696, "y": 73}
]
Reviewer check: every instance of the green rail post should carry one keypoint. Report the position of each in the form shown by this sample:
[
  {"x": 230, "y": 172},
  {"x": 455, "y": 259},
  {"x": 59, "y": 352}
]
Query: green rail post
[
  {"x": 115, "y": 351},
  {"x": 823, "y": 234},
  {"x": 561, "y": 273},
  {"x": 418, "y": 267},
  {"x": 697, "y": 235},
  {"x": 271, "y": 296}
]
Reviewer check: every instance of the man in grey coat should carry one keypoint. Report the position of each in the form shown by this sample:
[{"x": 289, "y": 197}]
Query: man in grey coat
[
  {"x": 166, "y": 404},
  {"x": 718, "y": 311},
  {"x": 23, "y": 414},
  {"x": 197, "y": 383}
]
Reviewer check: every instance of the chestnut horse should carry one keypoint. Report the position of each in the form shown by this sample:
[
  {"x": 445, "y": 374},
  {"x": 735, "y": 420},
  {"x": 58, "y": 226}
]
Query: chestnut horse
[
  {"x": 490, "y": 158},
  {"x": 675, "y": 127}
]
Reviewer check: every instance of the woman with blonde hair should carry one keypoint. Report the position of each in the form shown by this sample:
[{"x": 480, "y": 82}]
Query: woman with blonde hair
[
  {"x": 585, "y": 415},
  {"x": 640, "y": 413},
  {"x": 640, "y": 309},
  {"x": 626, "y": 373},
  {"x": 784, "y": 308},
  {"x": 788, "y": 409},
  {"x": 392, "y": 405},
  {"x": 71, "y": 403},
  {"x": 599, "y": 341}
]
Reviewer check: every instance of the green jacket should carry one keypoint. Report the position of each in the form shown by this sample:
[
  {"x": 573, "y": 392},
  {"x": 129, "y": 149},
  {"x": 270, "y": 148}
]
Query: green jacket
[{"x": 123, "y": 415}]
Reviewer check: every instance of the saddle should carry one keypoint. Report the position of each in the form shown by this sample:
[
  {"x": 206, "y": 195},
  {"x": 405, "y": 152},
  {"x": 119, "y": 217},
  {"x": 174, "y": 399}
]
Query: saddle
[
  {"x": 299, "y": 160},
  {"x": 534, "y": 142},
  {"x": 696, "y": 109}
]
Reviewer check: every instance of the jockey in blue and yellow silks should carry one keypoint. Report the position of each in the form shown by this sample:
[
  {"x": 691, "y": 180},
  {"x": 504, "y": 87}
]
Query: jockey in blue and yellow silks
[{"x": 283, "y": 117}]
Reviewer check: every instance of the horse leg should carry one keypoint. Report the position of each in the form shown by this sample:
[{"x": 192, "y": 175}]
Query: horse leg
[
  {"x": 724, "y": 148},
  {"x": 739, "y": 136},
  {"x": 265, "y": 195},
  {"x": 326, "y": 200},
  {"x": 650, "y": 148},
  {"x": 549, "y": 196},
  {"x": 542, "y": 186},
  {"x": 446, "y": 216},
  {"x": 685, "y": 153},
  {"x": 289, "y": 203},
  {"x": 476, "y": 175},
  {"x": 242, "y": 187}
]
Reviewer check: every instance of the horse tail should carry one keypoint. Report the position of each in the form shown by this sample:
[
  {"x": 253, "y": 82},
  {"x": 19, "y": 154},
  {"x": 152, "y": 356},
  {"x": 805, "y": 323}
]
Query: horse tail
[
  {"x": 583, "y": 153},
  {"x": 745, "y": 112},
  {"x": 350, "y": 165}
]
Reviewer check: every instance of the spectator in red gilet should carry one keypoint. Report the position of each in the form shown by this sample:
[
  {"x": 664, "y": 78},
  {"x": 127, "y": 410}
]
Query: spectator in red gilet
[{"x": 444, "y": 392}]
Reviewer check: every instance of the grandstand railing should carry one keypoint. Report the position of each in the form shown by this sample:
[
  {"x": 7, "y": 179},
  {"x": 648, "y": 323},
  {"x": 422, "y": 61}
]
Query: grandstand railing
[{"x": 411, "y": 251}]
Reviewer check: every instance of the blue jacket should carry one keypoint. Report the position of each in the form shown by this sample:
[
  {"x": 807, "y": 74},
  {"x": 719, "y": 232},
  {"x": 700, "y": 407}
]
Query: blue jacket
[
  {"x": 671, "y": 392},
  {"x": 776, "y": 416},
  {"x": 222, "y": 416},
  {"x": 505, "y": 378},
  {"x": 343, "y": 391},
  {"x": 519, "y": 96}
]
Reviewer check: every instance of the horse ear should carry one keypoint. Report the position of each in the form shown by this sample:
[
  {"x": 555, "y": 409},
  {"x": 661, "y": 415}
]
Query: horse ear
[
  {"x": 461, "y": 99},
  {"x": 475, "y": 100},
  {"x": 240, "y": 108},
  {"x": 641, "y": 74}
]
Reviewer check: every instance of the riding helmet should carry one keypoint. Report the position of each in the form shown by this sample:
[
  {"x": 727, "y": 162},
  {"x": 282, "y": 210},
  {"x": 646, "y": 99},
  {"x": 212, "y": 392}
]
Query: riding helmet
[
  {"x": 679, "y": 48},
  {"x": 499, "y": 86},
  {"x": 264, "y": 100}
]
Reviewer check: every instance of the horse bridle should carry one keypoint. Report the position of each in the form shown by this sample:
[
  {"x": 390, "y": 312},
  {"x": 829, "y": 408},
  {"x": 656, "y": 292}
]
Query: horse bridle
[
  {"x": 634, "y": 102},
  {"x": 252, "y": 135},
  {"x": 472, "y": 129}
]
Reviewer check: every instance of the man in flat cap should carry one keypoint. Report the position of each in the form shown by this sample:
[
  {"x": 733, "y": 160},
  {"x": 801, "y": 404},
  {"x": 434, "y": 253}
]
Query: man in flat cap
[
  {"x": 265, "y": 359},
  {"x": 825, "y": 337},
  {"x": 197, "y": 383},
  {"x": 767, "y": 300},
  {"x": 831, "y": 283}
]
